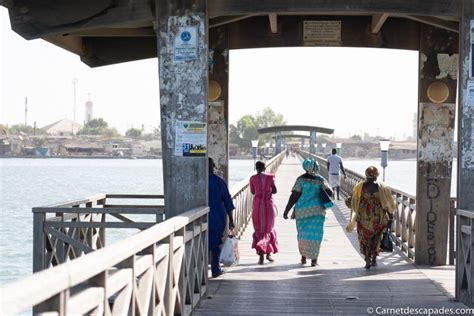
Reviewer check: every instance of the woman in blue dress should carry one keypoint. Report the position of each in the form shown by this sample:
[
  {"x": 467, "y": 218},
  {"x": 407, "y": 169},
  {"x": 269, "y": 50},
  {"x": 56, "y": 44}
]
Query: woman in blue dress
[
  {"x": 310, "y": 211},
  {"x": 220, "y": 207}
]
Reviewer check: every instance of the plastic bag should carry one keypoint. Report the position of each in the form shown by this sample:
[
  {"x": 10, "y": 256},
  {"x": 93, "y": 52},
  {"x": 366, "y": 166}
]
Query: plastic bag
[{"x": 230, "y": 251}]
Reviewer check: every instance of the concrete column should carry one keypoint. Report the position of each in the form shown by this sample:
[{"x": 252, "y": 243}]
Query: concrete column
[
  {"x": 278, "y": 143},
  {"x": 312, "y": 142},
  {"x": 218, "y": 137},
  {"x": 302, "y": 143},
  {"x": 436, "y": 113},
  {"x": 465, "y": 180},
  {"x": 465, "y": 187},
  {"x": 183, "y": 69}
]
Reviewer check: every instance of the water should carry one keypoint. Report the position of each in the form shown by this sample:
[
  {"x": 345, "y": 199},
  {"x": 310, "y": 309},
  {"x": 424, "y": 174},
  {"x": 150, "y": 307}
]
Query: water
[
  {"x": 26, "y": 183},
  {"x": 399, "y": 174}
]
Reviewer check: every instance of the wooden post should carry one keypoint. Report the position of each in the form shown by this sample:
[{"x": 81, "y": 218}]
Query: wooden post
[
  {"x": 436, "y": 113},
  {"x": 39, "y": 242},
  {"x": 465, "y": 180},
  {"x": 218, "y": 110},
  {"x": 183, "y": 49}
]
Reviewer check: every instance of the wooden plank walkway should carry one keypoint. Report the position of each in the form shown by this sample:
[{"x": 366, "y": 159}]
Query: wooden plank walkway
[{"x": 338, "y": 286}]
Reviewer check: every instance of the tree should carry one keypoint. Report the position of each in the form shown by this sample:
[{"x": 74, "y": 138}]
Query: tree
[
  {"x": 23, "y": 129},
  {"x": 133, "y": 132},
  {"x": 247, "y": 127},
  {"x": 96, "y": 126}
]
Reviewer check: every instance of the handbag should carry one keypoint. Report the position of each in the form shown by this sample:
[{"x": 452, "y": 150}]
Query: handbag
[
  {"x": 325, "y": 195},
  {"x": 386, "y": 244}
]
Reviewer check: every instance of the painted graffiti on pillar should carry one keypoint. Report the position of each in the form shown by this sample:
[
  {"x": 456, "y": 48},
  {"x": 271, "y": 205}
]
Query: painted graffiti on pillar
[{"x": 432, "y": 193}]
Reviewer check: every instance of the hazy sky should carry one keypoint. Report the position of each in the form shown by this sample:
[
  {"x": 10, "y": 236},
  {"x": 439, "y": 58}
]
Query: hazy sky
[{"x": 348, "y": 89}]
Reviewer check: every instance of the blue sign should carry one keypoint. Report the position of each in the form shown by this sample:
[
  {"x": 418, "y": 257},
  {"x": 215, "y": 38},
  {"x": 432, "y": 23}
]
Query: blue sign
[{"x": 185, "y": 36}]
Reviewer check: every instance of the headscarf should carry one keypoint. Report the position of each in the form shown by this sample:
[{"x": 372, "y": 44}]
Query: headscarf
[
  {"x": 311, "y": 167},
  {"x": 371, "y": 172}
]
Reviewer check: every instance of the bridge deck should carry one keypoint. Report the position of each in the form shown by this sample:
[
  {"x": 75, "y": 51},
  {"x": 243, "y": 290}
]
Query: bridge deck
[{"x": 339, "y": 285}]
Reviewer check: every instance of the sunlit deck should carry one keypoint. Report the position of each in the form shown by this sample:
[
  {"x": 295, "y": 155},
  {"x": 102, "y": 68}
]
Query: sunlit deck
[{"x": 338, "y": 285}]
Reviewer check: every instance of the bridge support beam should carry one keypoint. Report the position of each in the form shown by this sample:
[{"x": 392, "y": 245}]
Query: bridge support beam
[
  {"x": 312, "y": 142},
  {"x": 218, "y": 110},
  {"x": 278, "y": 143},
  {"x": 183, "y": 70},
  {"x": 465, "y": 187},
  {"x": 436, "y": 114}
]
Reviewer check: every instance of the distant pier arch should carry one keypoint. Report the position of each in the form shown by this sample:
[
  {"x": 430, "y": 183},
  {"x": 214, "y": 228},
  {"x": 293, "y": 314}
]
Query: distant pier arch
[{"x": 313, "y": 130}]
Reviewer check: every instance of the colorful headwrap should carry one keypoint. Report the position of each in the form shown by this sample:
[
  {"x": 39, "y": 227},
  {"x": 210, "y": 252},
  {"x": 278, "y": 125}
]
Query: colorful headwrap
[
  {"x": 371, "y": 172},
  {"x": 311, "y": 166}
]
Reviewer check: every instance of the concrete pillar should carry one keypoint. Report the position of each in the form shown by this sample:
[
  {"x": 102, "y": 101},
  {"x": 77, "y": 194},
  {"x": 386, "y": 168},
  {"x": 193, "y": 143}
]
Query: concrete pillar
[
  {"x": 278, "y": 143},
  {"x": 312, "y": 142},
  {"x": 218, "y": 136},
  {"x": 465, "y": 180},
  {"x": 302, "y": 143},
  {"x": 465, "y": 187},
  {"x": 183, "y": 48},
  {"x": 436, "y": 114}
]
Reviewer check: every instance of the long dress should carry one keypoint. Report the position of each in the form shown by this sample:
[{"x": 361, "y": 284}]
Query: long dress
[
  {"x": 263, "y": 214},
  {"x": 310, "y": 215},
  {"x": 371, "y": 222}
]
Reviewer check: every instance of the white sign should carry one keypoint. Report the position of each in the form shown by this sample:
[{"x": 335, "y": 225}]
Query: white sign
[
  {"x": 470, "y": 93},
  {"x": 191, "y": 139},
  {"x": 185, "y": 44},
  {"x": 322, "y": 32}
]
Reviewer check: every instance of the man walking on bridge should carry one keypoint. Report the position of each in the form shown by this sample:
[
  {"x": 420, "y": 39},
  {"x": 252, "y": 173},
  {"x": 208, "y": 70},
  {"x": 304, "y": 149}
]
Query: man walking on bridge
[{"x": 334, "y": 164}]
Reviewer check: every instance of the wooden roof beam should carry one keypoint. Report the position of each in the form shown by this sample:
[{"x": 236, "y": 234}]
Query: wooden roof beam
[
  {"x": 377, "y": 22},
  {"x": 442, "y": 24},
  {"x": 116, "y": 32},
  {"x": 215, "y": 22},
  {"x": 273, "y": 17}
]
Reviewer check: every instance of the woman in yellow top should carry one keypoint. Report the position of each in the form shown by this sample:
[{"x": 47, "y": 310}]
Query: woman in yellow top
[{"x": 372, "y": 206}]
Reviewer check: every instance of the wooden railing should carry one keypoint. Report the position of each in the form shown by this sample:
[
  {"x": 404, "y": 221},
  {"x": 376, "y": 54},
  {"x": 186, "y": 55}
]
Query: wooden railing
[
  {"x": 243, "y": 198},
  {"x": 79, "y": 227},
  {"x": 465, "y": 257},
  {"x": 159, "y": 271},
  {"x": 403, "y": 226}
]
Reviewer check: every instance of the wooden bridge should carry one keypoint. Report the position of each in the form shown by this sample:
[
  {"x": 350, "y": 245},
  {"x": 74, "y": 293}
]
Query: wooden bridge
[{"x": 163, "y": 269}]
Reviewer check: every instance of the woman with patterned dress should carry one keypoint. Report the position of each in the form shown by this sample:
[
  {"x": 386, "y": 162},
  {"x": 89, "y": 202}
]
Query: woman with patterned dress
[
  {"x": 372, "y": 206},
  {"x": 262, "y": 186},
  {"x": 309, "y": 212}
]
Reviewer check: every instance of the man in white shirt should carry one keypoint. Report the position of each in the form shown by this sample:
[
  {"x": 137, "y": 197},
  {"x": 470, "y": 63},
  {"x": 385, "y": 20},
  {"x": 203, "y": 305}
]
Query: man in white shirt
[{"x": 334, "y": 165}]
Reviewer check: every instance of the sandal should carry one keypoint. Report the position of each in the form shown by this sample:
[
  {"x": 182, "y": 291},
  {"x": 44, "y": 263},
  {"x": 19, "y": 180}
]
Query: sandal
[{"x": 303, "y": 260}]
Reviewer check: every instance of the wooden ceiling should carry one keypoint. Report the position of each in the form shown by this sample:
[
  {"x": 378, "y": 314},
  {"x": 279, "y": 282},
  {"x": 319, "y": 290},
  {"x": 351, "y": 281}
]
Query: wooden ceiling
[{"x": 104, "y": 32}]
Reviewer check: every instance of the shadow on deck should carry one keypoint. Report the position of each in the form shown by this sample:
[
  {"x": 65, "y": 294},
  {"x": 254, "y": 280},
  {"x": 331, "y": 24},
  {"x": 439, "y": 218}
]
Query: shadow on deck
[{"x": 338, "y": 285}]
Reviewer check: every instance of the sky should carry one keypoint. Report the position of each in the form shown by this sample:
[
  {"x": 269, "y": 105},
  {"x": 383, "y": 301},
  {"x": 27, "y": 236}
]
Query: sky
[{"x": 352, "y": 90}]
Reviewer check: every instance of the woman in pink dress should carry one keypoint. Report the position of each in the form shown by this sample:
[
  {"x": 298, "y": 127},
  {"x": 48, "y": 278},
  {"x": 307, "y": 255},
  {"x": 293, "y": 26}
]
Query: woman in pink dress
[{"x": 262, "y": 186}]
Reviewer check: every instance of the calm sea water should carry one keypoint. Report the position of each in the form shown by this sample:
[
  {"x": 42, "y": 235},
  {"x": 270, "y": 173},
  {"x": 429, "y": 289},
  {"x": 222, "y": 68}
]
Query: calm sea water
[
  {"x": 400, "y": 174},
  {"x": 26, "y": 183}
]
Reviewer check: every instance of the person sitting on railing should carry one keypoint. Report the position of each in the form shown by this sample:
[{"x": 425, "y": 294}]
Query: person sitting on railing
[
  {"x": 220, "y": 207},
  {"x": 310, "y": 210},
  {"x": 372, "y": 206},
  {"x": 262, "y": 186},
  {"x": 334, "y": 165}
]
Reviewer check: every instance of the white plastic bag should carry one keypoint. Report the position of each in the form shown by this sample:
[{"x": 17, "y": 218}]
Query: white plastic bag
[{"x": 230, "y": 251}]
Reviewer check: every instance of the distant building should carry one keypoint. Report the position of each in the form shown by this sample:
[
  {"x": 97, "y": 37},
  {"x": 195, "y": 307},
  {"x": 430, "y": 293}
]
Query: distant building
[
  {"x": 64, "y": 127},
  {"x": 89, "y": 106}
]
